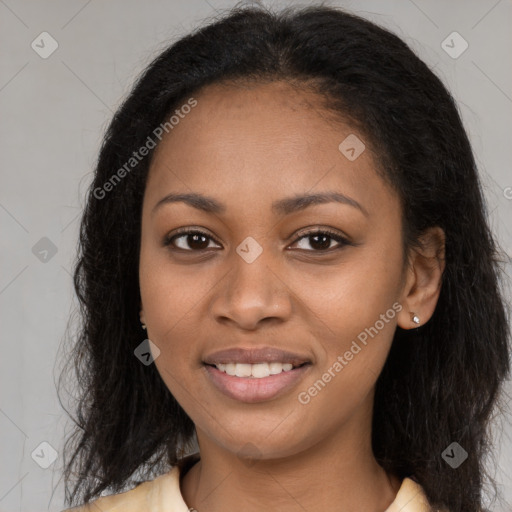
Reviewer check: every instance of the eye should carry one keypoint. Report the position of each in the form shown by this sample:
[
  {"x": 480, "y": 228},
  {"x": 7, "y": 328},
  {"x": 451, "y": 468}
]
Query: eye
[
  {"x": 321, "y": 239},
  {"x": 195, "y": 239}
]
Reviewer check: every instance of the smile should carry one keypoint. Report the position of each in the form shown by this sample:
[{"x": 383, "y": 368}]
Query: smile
[
  {"x": 254, "y": 383},
  {"x": 255, "y": 371}
]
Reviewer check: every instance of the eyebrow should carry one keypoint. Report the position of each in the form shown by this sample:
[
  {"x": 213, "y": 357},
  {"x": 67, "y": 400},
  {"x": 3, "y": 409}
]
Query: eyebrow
[{"x": 283, "y": 206}]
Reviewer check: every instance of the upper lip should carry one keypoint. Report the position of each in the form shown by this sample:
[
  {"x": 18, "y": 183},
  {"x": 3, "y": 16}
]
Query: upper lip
[{"x": 255, "y": 355}]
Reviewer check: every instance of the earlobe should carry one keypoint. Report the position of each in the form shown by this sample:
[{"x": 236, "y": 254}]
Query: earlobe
[
  {"x": 142, "y": 319},
  {"x": 424, "y": 279},
  {"x": 409, "y": 319},
  {"x": 415, "y": 318}
]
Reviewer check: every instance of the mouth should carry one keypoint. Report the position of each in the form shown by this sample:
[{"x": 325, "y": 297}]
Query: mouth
[{"x": 255, "y": 375}]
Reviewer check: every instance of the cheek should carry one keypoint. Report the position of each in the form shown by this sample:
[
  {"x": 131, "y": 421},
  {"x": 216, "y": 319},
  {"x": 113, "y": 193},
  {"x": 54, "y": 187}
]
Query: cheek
[
  {"x": 354, "y": 295},
  {"x": 356, "y": 309},
  {"x": 167, "y": 301},
  {"x": 170, "y": 293},
  {"x": 353, "y": 351}
]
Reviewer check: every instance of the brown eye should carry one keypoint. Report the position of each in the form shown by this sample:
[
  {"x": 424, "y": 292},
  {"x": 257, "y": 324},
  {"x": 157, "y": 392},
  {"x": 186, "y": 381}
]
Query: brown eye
[
  {"x": 321, "y": 240},
  {"x": 193, "y": 240},
  {"x": 189, "y": 240}
]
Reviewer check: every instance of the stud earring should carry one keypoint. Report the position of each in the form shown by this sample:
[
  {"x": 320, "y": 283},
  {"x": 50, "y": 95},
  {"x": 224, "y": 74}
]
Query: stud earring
[
  {"x": 143, "y": 326},
  {"x": 415, "y": 318}
]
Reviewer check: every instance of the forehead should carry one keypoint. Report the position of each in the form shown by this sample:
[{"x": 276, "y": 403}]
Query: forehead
[{"x": 259, "y": 139}]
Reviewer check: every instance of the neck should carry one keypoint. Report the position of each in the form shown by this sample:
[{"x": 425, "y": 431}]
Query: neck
[{"x": 339, "y": 473}]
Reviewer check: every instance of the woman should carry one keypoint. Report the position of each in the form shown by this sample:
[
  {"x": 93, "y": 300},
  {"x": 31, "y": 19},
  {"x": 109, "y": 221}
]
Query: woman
[{"x": 285, "y": 257}]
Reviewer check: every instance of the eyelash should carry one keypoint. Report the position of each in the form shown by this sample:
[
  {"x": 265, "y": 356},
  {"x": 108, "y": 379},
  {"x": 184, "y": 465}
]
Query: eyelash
[{"x": 168, "y": 240}]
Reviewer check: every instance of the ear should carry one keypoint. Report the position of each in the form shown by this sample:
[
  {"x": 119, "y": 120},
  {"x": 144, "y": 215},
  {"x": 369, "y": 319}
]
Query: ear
[
  {"x": 141, "y": 314},
  {"x": 423, "y": 280}
]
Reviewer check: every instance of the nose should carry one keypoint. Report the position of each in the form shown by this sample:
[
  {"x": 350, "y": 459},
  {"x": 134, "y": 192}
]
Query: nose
[{"x": 252, "y": 294}]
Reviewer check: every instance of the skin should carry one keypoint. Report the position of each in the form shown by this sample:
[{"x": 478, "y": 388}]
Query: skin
[{"x": 247, "y": 146}]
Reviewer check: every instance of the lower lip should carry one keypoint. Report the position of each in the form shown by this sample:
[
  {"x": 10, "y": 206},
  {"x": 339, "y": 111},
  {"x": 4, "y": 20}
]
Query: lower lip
[{"x": 251, "y": 390}]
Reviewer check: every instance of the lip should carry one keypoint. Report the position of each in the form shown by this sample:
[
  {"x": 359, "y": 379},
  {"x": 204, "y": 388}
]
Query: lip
[
  {"x": 255, "y": 355},
  {"x": 252, "y": 390}
]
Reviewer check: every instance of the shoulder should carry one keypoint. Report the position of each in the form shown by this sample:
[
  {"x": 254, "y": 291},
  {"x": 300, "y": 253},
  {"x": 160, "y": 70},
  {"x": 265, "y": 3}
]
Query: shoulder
[
  {"x": 142, "y": 497},
  {"x": 161, "y": 494},
  {"x": 411, "y": 498}
]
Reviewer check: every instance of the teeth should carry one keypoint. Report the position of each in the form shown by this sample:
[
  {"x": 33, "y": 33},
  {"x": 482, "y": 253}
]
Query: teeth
[
  {"x": 257, "y": 371},
  {"x": 260, "y": 370},
  {"x": 243, "y": 370}
]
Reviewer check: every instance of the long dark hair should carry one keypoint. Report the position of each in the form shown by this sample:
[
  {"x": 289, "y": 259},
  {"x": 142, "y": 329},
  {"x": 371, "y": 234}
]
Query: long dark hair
[{"x": 440, "y": 382}]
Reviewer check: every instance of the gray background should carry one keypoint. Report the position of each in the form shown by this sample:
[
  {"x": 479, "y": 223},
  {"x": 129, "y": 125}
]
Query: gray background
[{"x": 54, "y": 112}]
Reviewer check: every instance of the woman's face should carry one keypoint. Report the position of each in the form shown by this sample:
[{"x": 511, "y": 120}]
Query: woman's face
[{"x": 255, "y": 280}]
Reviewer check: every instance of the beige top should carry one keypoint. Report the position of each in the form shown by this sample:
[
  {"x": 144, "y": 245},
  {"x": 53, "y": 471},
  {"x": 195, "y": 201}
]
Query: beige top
[{"x": 163, "y": 495}]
